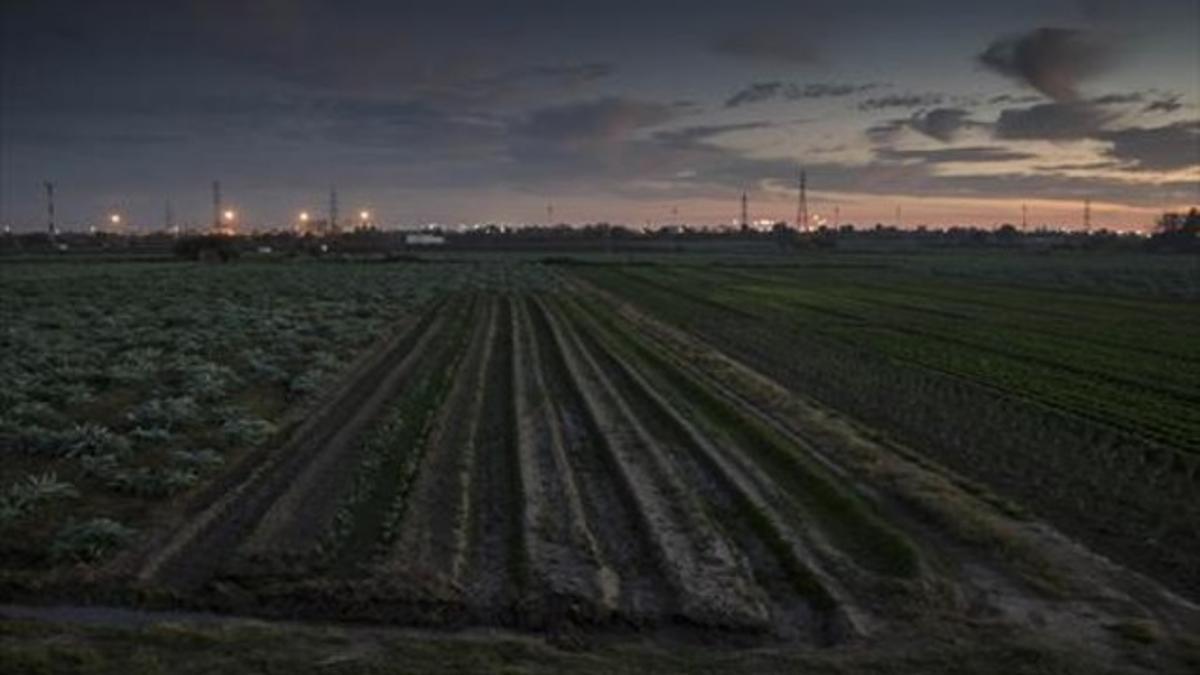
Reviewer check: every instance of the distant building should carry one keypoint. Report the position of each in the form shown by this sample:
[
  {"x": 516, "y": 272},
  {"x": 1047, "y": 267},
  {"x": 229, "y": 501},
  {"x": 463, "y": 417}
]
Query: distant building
[{"x": 424, "y": 240}]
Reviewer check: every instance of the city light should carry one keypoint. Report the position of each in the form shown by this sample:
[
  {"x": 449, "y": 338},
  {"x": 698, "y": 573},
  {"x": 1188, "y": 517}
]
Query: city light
[
  {"x": 364, "y": 215},
  {"x": 229, "y": 215},
  {"x": 115, "y": 219},
  {"x": 304, "y": 216}
]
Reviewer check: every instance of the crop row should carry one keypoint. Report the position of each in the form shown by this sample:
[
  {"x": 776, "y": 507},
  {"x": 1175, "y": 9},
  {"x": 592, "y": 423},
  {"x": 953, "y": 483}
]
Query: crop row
[{"x": 1108, "y": 487}]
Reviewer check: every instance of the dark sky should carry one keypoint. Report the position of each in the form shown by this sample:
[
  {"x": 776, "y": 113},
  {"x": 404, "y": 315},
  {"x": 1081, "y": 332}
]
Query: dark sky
[{"x": 623, "y": 111}]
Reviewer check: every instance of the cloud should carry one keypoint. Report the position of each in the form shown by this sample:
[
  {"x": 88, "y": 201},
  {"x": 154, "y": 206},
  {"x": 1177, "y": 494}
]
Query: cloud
[
  {"x": 1166, "y": 104},
  {"x": 942, "y": 124},
  {"x": 756, "y": 92},
  {"x": 1014, "y": 99},
  {"x": 1051, "y": 122},
  {"x": 766, "y": 91},
  {"x": 772, "y": 46},
  {"x": 413, "y": 130},
  {"x": 1166, "y": 148},
  {"x": 689, "y": 136},
  {"x": 423, "y": 50},
  {"x": 1051, "y": 60},
  {"x": 720, "y": 169},
  {"x": 1080, "y": 166},
  {"x": 826, "y": 90},
  {"x": 901, "y": 101},
  {"x": 886, "y": 131},
  {"x": 949, "y": 155},
  {"x": 596, "y": 121},
  {"x": 1155, "y": 100},
  {"x": 1119, "y": 99}
]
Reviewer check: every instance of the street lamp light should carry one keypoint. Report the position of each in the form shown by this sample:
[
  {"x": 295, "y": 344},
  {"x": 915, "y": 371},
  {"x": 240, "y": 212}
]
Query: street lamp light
[
  {"x": 364, "y": 217},
  {"x": 115, "y": 219},
  {"x": 227, "y": 219}
]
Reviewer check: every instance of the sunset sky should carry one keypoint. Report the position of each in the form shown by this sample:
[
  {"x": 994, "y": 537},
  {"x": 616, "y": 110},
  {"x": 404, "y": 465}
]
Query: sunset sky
[{"x": 632, "y": 112}]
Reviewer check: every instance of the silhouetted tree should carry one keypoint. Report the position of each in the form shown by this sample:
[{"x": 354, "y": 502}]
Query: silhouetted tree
[
  {"x": 1177, "y": 232},
  {"x": 1178, "y": 222}
]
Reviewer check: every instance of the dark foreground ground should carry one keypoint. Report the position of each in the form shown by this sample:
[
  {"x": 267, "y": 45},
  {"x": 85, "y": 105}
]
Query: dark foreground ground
[{"x": 95, "y": 642}]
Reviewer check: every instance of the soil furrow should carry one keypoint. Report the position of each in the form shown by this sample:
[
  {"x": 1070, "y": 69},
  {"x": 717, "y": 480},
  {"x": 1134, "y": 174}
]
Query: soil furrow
[
  {"x": 568, "y": 575},
  {"x": 432, "y": 539},
  {"x": 608, "y": 501},
  {"x": 495, "y": 565},
  {"x": 710, "y": 575},
  {"x": 767, "y": 525}
]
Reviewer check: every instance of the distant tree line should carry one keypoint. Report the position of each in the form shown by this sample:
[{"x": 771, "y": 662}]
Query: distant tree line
[{"x": 1174, "y": 232}]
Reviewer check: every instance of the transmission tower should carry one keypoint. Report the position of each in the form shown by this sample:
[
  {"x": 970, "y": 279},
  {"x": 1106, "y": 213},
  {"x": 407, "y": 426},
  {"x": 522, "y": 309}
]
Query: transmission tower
[
  {"x": 1024, "y": 218},
  {"x": 745, "y": 211},
  {"x": 216, "y": 201},
  {"x": 168, "y": 217},
  {"x": 802, "y": 204},
  {"x": 333, "y": 210},
  {"x": 899, "y": 219},
  {"x": 50, "y": 226},
  {"x": 1087, "y": 215},
  {"x": 837, "y": 217},
  {"x": 550, "y": 213}
]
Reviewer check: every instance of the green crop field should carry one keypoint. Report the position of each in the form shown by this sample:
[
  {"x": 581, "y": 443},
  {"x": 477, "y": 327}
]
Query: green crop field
[
  {"x": 899, "y": 463},
  {"x": 1078, "y": 403}
]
